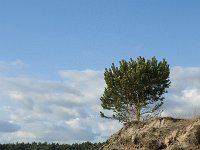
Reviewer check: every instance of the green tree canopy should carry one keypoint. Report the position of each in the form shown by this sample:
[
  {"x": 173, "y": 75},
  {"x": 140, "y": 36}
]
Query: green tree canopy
[{"x": 135, "y": 89}]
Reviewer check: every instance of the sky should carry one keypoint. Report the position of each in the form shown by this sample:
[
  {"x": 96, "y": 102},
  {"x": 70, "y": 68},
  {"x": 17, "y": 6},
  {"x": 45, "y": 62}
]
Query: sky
[{"x": 53, "y": 55}]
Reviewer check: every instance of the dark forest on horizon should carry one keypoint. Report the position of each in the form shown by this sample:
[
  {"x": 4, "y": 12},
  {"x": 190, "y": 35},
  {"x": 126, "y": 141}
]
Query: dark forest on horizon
[{"x": 51, "y": 146}]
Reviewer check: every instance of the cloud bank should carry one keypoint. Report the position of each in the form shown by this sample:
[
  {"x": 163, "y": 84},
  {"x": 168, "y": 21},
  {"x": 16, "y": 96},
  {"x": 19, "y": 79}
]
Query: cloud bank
[
  {"x": 67, "y": 110},
  {"x": 64, "y": 111},
  {"x": 183, "y": 99}
]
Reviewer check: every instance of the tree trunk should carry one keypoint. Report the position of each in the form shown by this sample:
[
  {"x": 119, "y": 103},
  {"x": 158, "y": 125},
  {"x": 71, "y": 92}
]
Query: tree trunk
[{"x": 138, "y": 113}]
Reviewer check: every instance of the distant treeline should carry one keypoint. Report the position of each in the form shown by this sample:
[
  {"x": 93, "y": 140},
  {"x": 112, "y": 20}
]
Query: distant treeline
[{"x": 52, "y": 146}]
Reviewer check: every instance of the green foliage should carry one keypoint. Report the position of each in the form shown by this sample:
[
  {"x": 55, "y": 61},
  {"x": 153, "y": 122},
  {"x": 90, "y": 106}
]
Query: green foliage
[
  {"x": 135, "y": 88},
  {"x": 53, "y": 146}
]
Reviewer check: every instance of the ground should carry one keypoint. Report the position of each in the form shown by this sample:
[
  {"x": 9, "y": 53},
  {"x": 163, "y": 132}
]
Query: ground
[{"x": 162, "y": 133}]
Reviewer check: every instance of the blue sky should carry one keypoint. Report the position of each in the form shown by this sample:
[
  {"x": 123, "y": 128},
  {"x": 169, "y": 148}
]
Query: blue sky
[
  {"x": 53, "y": 53},
  {"x": 50, "y": 35}
]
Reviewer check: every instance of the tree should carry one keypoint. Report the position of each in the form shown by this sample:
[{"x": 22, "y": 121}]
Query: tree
[{"x": 135, "y": 89}]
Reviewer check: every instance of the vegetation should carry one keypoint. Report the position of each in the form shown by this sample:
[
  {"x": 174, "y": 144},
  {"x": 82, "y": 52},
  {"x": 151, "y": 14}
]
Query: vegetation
[
  {"x": 135, "y": 89},
  {"x": 53, "y": 146}
]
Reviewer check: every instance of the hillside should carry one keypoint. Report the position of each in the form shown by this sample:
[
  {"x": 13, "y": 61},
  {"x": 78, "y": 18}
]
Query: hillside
[{"x": 164, "y": 133}]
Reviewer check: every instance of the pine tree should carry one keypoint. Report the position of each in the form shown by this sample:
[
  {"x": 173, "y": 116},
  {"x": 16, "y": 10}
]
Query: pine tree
[{"x": 135, "y": 89}]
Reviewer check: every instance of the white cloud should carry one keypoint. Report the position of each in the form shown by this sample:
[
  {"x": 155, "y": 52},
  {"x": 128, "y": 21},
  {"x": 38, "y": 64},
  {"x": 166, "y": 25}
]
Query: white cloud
[
  {"x": 8, "y": 127},
  {"x": 183, "y": 99},
  {"x": 10, "y": 65},
  {"x": 68, "y": 110},
  {"x": 63, "y": 111}
]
